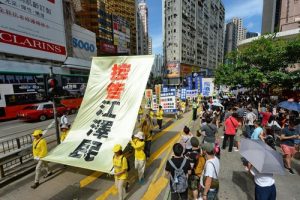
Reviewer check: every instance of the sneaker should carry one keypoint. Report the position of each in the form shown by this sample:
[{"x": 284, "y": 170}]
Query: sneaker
[
  {"x": 236, "y": 149},
  {"x": 35, "y": 185},
  {"x": 291, "y": 171},
  {"x": 47, "y": 175}
]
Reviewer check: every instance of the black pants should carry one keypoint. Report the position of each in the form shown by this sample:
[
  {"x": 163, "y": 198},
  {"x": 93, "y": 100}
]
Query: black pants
[
  {"x": 159, "y": 122},
  {"x": 230, "y": 142},
  {"x": 194, "y": 114},
  {"x": 147, "y": 148}
]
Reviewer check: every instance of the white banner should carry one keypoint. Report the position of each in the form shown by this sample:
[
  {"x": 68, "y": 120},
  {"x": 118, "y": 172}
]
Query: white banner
[
  {"x": 168, "y": 102},
  {"x": 207, "y": 87},
  {"x": 191, "y": 94},
  {"x": 33, "y": 28},
  {"x": 108, "y": 112}
]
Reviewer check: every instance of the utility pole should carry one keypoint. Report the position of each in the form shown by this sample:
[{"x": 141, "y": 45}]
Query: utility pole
[{"x": 54, "y": 107}]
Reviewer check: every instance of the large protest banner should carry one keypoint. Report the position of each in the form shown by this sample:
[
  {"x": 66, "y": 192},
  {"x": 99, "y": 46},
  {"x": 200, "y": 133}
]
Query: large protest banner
[{"x": 107, "y": 114}]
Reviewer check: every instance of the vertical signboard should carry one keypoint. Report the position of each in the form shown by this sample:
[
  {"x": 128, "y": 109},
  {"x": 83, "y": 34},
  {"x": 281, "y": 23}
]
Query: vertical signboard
[
  {"x": 154, "y": 104},
  {"x": 33, "y": 28},
  {"x": 168, "y": 102},
  {"x": 121, "y": 29},
  {"x": 148, "y": 98},
  {"x": 207, "y": 87}
]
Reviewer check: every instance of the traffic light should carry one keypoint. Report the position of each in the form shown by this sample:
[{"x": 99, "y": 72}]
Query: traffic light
[{"x": 52, "y": 85}]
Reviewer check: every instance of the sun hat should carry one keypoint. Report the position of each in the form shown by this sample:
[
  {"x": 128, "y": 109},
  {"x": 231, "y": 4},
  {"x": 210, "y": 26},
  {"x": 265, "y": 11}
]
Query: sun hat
[
  {"x": 37, "y": 132},
  {"x": 139, "y": 135},
  {"x": 117, "y": 148},
  {"x": 64, "y": 126}
]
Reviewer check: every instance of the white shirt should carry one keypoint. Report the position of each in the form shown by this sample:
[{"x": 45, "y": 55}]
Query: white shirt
[
  {"x": 186, "y": 141},
  {"x": 64, "y": 120},
  {"x": 211, "y": 169},
  {"x": 275, "y": 123},
  {"x": 262, "y": 179},
  {"x": 250, "y": 118}
]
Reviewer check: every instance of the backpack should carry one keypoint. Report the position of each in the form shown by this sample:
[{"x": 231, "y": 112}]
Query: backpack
[
  {"x": 179, "y": 181},
  {"x": 200, "y": 165},
  {"x": 128, "y": 165}
]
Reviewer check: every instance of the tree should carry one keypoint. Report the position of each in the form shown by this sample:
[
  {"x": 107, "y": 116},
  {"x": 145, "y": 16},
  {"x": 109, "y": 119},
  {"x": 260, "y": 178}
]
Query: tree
[{"x": 267, "y": 61}]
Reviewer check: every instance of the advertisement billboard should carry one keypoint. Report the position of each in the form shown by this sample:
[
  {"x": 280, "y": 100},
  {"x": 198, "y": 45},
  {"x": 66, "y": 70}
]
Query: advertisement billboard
[
  {"x": 173, "y": 70},
  {"x": 33, "y": 28},
  {"x": 207, "y": 87},
  {"x": 84, "y": 43},
  {"x": 121, "y": 30}
]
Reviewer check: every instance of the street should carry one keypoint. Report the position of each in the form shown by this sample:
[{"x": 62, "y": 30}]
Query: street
[{"x": 76, "y": 183}]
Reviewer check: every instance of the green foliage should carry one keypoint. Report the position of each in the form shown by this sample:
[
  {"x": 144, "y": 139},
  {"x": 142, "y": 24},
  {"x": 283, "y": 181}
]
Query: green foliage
[{"x": 265, "y": 61}]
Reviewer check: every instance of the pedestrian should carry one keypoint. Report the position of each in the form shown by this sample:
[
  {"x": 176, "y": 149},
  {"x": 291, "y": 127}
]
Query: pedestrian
[
  {"x": 64, "y": 119},
  {"x": 64, "y": 130},
  {"x": 146, "y": 128},
  {"x": 265, "y": 115},
  {"x": 159, "y": 117},
  {"x": 178, "y": 169},
  {"x": 249, "y": 121},
  {"x": 139, "y": 155},
  {"x": 217, "y": 116},
  {"x": 258, "y": 132},
  {"x": 209, "y": 180},
  {"x": 120, "y": 165},
  {"x": 264, "y": 184},
  {"x": 151, "y": 115},
  {"x": 209, "y": 131},
  {"x": 185, "y": 140},
  {"x": 140, "y": 114},
  {"x": 195, "y": 107},
  {"x": 287, "y": 145},
  {"x": 193, "y": 156},
  {"x": 231, "y": 125},
  {"x": 39, "y": 151}
]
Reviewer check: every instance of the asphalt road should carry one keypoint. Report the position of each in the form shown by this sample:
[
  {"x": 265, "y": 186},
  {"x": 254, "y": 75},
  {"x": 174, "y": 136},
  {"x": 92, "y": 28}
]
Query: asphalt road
[{"x": 15, "y": 128}]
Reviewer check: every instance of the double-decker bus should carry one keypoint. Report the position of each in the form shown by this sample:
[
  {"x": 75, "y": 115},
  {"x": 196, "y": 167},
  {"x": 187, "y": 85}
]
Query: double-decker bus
[{"x": 18, "y": 90}]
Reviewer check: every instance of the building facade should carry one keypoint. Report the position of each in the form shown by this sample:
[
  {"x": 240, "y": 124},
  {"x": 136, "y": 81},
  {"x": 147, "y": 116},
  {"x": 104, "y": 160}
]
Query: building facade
[
  {"x": 157, "y": 68},
  {"x": 230, "y": 38},
  {"x": 289, "y": 15},
  {"x": 193, "y": 36},
  {"x": 241, "y": 31},
  {"x": 150, "y": 46},
  {"x": 251, "y": 35},
  {"x": 143, "y": 36},
  {"x": 126, "y": 9}
]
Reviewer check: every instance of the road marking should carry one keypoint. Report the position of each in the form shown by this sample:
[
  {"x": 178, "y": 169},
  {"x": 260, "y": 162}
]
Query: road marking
[
  {"x": 156, "y": 187},
  {"x": 91, "y": 178},
  {"x": 112, "y": 190}
]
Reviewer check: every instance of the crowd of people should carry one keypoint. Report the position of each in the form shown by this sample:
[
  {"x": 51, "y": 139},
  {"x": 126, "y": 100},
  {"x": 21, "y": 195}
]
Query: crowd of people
[{"x": 194, "y": 168}]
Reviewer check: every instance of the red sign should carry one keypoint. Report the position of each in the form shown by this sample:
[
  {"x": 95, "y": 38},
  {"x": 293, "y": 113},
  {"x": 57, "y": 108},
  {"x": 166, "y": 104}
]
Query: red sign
[
  {"x": 22, "y": 41},
  {"x": 108, "y": 48}
]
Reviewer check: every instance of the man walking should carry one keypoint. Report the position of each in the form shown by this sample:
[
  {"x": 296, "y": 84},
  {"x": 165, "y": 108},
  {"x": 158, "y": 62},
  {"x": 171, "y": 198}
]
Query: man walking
[
  {"x": 159, "y": 117},
  {"x": 39, "y": 151}
]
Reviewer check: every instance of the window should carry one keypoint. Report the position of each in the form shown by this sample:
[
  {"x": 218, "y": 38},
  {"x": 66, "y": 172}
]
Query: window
[
  {"x": 174, "y": 30},
  {"x": 48, "y": 106}
]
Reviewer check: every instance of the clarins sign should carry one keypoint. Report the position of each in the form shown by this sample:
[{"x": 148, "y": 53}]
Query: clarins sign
[{"x": 33, "y": 28}]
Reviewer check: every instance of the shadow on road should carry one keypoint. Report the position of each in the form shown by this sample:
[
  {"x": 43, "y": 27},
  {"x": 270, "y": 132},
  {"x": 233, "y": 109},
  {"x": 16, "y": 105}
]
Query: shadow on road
[{"x": 245, "y": 182}]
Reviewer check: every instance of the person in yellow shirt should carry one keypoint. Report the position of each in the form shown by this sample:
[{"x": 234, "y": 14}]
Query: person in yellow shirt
[
  {"x": 159, "y": 117},
  {"x": 140, "y": 114},
  {"x": 39, "y": 151},
  {"x": 64, "y": 132},
  {"x": 140, "y": 157},
  {"x": 151, "y": 114},
  {"x": 146, "y": 128},
  {"x": 120, "y": 170}
]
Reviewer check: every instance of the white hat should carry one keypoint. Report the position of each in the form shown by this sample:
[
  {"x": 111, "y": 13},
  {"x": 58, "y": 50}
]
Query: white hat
[{"x": 139, "y": 135}]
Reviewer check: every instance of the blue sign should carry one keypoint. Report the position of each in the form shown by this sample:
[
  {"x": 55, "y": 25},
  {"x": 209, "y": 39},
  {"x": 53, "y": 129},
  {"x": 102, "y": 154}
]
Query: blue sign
[
  {"x": 77, "y": 43},
  {"x": 198, "y": 84},
  {"x": 168, "y": 102},
  {"x": 190, "y": 82},
  {"x": 183, "y": 94}
]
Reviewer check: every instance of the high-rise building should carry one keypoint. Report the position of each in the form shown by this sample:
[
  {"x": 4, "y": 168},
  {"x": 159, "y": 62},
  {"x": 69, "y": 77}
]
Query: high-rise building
[
  {"x": 289, "y": 15},
  {"x": 241, "y": 32},
  {"x": 126, "y": 9},
  {"x": 143, "y": 28},
  {"x": 193, "y": 36},
  {"x": 157, "y": 67},
  {"x": 251, "y": 35},
  {"x": 230, "y": 38},
  {"x": 150, "y": 46}
]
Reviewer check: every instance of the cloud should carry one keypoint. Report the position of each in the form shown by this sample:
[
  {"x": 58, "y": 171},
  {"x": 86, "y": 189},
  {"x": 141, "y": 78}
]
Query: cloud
[
  {"x": 244, "y": 9},
  {"x": 157, "y": 43},
  {"x": 250, "y": 25}
]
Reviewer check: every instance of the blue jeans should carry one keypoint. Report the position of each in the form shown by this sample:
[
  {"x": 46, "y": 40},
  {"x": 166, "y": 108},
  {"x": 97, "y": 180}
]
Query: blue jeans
[
  {"x": 249, "y": 130},
  {"x": 265, "y": 193},
  {"x": 212, "y": 195}
]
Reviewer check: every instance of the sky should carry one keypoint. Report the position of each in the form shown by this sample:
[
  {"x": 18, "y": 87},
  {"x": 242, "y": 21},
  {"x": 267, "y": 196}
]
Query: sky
[{"x": 249, "y": 10}]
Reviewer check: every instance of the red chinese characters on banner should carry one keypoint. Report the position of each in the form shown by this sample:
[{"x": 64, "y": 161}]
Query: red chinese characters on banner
[{"x": 118, "y": 76}]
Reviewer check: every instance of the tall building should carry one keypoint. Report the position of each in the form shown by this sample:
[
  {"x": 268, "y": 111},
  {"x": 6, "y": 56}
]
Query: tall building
[
  {"x": 126, "y": 9},
  {"x": 157, "y": 68},
  {"x": 230, "y": 38},
  {"x": 150, "y": 46},
  {"x": 143, "y": 36},
  {"x": 289, "y": 15},
  {"x": 193, "y": 36},
  {"x": 251, "y": 35},
  {"x": 241, "y": 32}
]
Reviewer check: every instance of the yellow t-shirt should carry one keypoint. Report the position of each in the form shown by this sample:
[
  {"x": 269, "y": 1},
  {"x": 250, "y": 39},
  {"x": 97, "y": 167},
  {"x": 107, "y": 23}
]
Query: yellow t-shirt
[
  {"x": 151, "y": 114},
  {"x": 138, "y": 146},
  {"x": 141, "y": 111},
  {"x": 63, "y": 135},
  {"x": 39, "y": 148},
  {"x": 120, "y": 164},
  {"x": 159, "y": 114}
]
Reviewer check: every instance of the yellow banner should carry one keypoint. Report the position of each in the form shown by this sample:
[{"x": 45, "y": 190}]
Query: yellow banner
[{"x": 107, "y": 114}]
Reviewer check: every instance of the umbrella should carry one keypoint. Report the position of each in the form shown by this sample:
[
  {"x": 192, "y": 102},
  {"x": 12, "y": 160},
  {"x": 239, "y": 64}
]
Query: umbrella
[
  {"x": 262, "y": 157},
  {"x": 290, "y": 105},
  {"x": 217, "y": 104}
]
